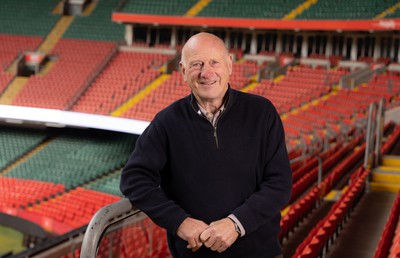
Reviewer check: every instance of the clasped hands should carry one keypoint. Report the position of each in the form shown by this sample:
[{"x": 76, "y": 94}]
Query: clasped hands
[{"x": 218, "y": 236}]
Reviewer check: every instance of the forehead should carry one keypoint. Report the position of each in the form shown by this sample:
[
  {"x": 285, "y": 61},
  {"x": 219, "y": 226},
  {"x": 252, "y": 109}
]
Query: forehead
[{"x": 205, "y": 52}]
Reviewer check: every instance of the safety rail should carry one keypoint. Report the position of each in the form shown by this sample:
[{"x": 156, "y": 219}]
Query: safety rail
[
  {"x": 375, "y": 126},
  {"x": 358, "y": 77},
  {"x": 108, "y": 218}
]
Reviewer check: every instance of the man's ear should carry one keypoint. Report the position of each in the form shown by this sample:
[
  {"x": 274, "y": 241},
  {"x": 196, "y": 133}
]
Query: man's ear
[
  {"x": 230, "y": 64},
  {"x": 183, "y": 70}
]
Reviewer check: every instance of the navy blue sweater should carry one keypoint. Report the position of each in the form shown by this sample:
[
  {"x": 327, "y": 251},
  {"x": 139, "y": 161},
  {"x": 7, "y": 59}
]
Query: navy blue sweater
[{"x": 182, "y": 166}]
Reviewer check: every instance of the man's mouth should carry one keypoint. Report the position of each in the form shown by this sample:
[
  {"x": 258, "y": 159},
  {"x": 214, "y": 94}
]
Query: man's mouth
[{"x": 207, "y": 83}]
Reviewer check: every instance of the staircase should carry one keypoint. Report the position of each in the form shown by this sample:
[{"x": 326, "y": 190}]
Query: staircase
[
  {"x": 12, "y": 90},
  {"x": 197, "y": 8},
  {"x": 56, "y": 34},
  {"x": 386, "y": 177}
]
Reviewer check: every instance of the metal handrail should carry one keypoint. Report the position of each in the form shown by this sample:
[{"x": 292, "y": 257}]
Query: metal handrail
[
  {"x": 373, "y": 138},
  {"x": 375, "y": 126},
  {"x": 103, "y": 220},
  {"x": 379, "y": 131},
  {"x": 370, "y": 135}
]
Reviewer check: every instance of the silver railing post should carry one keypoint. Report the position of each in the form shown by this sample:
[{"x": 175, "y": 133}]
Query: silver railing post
[
  {"x": 379, "y": 131},
  {"x": 370, "y": 136},
  {"x": 104, "y": 218}
]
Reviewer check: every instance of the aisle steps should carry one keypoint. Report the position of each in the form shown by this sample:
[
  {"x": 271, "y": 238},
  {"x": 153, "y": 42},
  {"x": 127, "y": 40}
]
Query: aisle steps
[{"x": 387, "y": 176}]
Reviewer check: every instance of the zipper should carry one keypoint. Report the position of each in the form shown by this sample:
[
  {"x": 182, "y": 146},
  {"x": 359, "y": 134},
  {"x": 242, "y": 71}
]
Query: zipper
[
  {"x": 216, "y": 135},
  {"x": 215, "y": 129},
  {"x": 214, "y": 126}
]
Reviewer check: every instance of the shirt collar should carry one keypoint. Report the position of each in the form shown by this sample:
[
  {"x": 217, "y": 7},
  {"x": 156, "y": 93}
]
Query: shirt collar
[
  {"x": 199, "y": 110},
  {"x": 212, "y": 117}
]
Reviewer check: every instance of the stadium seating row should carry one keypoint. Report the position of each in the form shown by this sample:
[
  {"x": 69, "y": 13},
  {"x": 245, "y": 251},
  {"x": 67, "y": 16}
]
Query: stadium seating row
[
  {"x": 326, "y": 230},
  {"x": 76, "y": 159},
  {"x": 258, "y": 9},
  {"x": 249, "y": 9},
  {"x": 27, "y": 17},
  {"x": 125, "y": 75},
  {"x": 74, "y": 208},
  {"x": 107, "y": 184},
  {"x": 89, "y": 26},
  {"x": 20, "y": 192},
  {"x": 78, "y": 62},
  {"x": 11, "y": 46},
  {"x": 300, "y": 207},
  {"x": 329, "y": 9},
  {"x": 16, "y": 143},
  {"x": 158, "y": 7},
  {"x": 388, "y": 245}
]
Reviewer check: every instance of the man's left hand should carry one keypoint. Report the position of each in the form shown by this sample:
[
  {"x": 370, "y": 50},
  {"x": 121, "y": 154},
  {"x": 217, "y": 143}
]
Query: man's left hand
[{"x": 219, "y": 235}]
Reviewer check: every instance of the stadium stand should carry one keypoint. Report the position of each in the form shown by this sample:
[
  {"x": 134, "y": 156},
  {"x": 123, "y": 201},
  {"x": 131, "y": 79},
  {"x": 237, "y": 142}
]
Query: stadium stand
[
  {"x": 337, "y": 10},
  {"x": 34, "y": 19},
  {"x": 325, "y": 230},
  {"x": 249, "y": 9},
  {"x": 125, "y": 75},
  {"x": 393, "y": 12},
  {"x": 18, "y": 192},
  {"x": 11, "y": 46},
  {"x": 388, "y": 244},
  {"x": 170, "y": 90},
  {"x": 78, "y": 62},
  {"x": 173, "y": 7},
  {"x": 107, "y": 184},
  {"x": 74, "y": 208},
  {"x": 59, "y": 178},
  {"x": 73, "y": 159},
  {"x": 89, "y": 26},
  {"x": 16, "y": 143}
]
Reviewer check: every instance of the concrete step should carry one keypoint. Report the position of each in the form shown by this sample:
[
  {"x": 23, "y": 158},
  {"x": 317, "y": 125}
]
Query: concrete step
[
  {"x": 385, "y": 187},
  {"x": 387, "y": 176},
  {"x": 391, "y": 160}
]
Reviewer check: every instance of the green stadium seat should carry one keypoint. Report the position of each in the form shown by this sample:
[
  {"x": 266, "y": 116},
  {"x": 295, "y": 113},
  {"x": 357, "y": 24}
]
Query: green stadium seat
[
  {"x": 158, "y": 7},
  {"x": 74, "y": 160},
  {"x": 27, "y": 17},
  {"x": 88, "y": 27},
  {"x": 16, "y": 143},
  {"x": 346, "y": 10},
  {"x": 254, "y": 9}
]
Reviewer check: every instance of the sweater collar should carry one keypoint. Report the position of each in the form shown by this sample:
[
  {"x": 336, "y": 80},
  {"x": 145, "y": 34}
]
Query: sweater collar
[{"x": 228, "y": 99}]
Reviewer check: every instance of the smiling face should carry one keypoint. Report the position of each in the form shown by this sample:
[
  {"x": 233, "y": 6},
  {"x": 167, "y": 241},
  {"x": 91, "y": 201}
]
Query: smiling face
[{"x": 206, "y": 66}]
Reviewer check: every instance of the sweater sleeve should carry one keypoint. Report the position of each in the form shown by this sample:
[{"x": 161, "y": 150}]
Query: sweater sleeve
[
  {"x": 275, "y": 188},
  {"x": 141, "y": 178}
]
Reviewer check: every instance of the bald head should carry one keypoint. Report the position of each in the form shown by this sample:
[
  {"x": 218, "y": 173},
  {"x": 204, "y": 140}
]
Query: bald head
[
  {"x": 203, "y": 40},
  {"x": 206, "y": 66}
]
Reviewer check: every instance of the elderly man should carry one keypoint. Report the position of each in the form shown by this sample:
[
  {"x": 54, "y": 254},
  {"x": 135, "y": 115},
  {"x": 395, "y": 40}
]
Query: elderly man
[{"x": 212, "y": 168}]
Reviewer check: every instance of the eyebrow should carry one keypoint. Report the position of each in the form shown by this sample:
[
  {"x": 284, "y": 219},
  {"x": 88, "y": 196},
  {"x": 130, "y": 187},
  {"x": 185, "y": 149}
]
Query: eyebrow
[{"x": 195, "y": 61}]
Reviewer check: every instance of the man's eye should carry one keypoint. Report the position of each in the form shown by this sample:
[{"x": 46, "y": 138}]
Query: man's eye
[{"x": 196, "y": 65}]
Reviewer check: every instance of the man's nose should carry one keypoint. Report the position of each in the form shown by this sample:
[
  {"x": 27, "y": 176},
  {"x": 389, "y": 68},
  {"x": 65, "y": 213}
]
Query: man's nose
[{"x": 206, "y": 71}]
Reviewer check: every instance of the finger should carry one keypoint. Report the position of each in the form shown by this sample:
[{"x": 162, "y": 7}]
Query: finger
[
  {"x": 204, "y": 236},
  {"x": 216, "y": 246},
  {"x": 196, "y": 248},
  {"x": 206, "y": 239},
  {"x": 191, "y": 243},
  {"x": 221, "y": 249},
  {"x": 198, "y": 245},
  {"x": 210, "y": 242}
]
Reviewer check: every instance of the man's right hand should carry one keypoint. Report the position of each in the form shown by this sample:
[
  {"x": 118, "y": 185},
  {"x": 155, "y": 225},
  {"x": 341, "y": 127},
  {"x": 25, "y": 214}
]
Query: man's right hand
[{"x": 190, "y": 231}]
